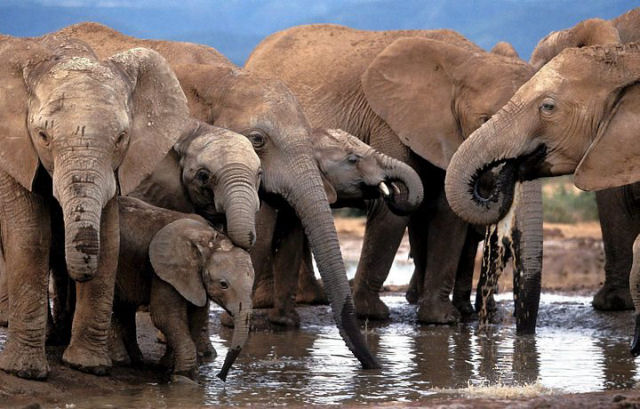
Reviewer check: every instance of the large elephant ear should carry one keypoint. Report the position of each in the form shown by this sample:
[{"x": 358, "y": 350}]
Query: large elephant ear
[
  {"x": 613, "y": 159},
  {"x": 409, "y": 85},
  {"x": 505, "y": 49},
  {"x": 177, "y": 253},
  {"x": 159, "y": 113},
  {"x": 18, "y": 156}
]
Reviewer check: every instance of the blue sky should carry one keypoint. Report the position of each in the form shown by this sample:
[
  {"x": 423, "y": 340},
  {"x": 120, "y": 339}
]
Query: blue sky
[{"x": 234, "y": 27}]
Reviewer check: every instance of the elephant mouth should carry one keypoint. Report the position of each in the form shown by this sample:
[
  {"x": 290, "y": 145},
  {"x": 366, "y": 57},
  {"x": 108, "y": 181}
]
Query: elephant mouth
[
  {"x": 396, "y": 194},
  {"x": 499, "y": 177}
]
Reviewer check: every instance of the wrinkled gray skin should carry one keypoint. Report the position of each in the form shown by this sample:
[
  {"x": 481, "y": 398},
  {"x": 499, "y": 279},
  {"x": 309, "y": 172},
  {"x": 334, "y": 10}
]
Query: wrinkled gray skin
[
  {"x": 413, "y": 95},
  {"x": 352, "y": 171},
  {"x": 619, "y": 225},
  {"x": 268, "y": 114},
  {"x": 69, "y": 123},
  {"x": 173, "y": 262}
]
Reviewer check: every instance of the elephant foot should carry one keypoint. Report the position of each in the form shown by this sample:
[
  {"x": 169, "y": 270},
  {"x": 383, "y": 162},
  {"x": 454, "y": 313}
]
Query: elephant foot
[
  {"x": 610, "y": 298},
  {"x": 118, "y": 351},
  {"x": 412, "y": 295},
  {"x": 184, "y": 378},
  {"x": 24, "y": 362},
  {"x": 206, "y": 351},
  {"x": 436, "y": 311},
  {"x": 287, "y": 317},
  {"x": 85, "y": 360},
  {"x": 312, "y": 293},
  {"x": 263, "y": 295},
  {"x": 465, "y": 309},
  {"x": 368, "y": 305}
]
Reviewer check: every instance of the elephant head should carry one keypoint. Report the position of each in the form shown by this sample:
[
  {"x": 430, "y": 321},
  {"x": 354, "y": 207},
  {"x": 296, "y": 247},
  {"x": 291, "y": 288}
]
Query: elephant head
[
  {"x": 354, "y": 170},
  {"x": 590, "y": 32},
  {"x": 268, "y": 114},
  {"x": 199, "y": 263},
  {"x": 95, "y": 126},
  {"x": 221, "y": 174},
  {"x": 578, "y": 113},
  {"x": 463, "y": 88}
]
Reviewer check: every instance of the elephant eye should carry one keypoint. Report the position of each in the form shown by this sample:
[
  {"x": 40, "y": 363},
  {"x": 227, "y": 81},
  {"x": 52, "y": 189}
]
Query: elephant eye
[
  {"x": 353, "y": 158},
  {"x": 203, "y": 176},
  {"x": 257, "y": 139},
  {"x": 548, "y": 105},
  {"x": 224, "y": 284},
  {"x": 44, "y": 138},
  {"x": 484, "y": 118}
]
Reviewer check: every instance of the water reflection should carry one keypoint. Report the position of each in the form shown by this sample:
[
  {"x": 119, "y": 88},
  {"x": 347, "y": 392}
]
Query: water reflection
[{"x": 575, "y": 350}]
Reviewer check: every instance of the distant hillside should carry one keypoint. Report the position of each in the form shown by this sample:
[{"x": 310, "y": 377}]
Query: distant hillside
[{"x": 236, "y": 27}]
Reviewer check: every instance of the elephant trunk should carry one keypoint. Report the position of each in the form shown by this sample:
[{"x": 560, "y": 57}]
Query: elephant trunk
[
  {"x": 82, "y": 188},
  {"x": 480, "y": 179},
  {"x": 241, "y": 324},
  {"x": 528, "y": 256},
  {"x": 407, "y": 195},
  {"x": 308, "y": 199},
  {"x": 240, "y": 205}
]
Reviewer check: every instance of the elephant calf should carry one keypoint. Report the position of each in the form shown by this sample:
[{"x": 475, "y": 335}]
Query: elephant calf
[{"x": 173, "y": 261}]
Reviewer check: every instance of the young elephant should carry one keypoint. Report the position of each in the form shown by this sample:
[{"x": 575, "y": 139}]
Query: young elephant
[
  {"x": 173, "y": 261},
  {"x": 352, "y": 172}
]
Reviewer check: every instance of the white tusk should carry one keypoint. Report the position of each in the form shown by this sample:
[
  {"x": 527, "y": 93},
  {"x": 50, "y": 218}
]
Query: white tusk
[
  {"x": 395, "y": 188},
  {"x": 384, "y": 189}
]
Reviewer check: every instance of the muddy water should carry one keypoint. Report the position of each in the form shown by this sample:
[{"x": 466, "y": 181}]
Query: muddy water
[{"x": 576, "y": 349}]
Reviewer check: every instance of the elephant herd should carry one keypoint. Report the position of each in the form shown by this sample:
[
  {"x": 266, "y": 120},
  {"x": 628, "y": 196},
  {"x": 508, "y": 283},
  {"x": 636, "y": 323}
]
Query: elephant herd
[{"x": 156, "y": 173}]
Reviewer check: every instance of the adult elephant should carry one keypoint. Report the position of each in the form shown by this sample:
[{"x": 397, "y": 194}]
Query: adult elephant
[
  {"x": 75, "y": 131},
  {"x": 413, "y": 95},
  {"x": 561, "y": 121},
  {"x": 268, "y": 114},
  {"x": 619, "y": 224}
]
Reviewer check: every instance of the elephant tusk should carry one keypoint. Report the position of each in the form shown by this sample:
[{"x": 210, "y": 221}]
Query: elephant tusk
[
  {"x": 395, "y": 187},
  {"x": 384, "y": 189}
]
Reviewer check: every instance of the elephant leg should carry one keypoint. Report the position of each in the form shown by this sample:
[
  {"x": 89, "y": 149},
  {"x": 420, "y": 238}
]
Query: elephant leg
[
  {"x": 4, "y": 293},
  {"x": 310, "y": 289},
  {"x": 445, "y": 240},
  {"x": 117, "y": 345},
  {"x": 199, "y": 328},
  {"x": 127, "y": 316},
  {"x": 63, "y": 296},
  {"x": 413, "y": 291},
  {"x": 26, "y": 240},
  {"x": 286, "y": 265},
  {"x": 464, "y": 277},
  {"x": 619, "y": 230},
  {"x": 634, "y": 285},
  {"x": 262, "y": 256},
  {"x": 168, "y": 312},
  {"x": 88, "y": 350},
  {"x": 383, "y": 233}
]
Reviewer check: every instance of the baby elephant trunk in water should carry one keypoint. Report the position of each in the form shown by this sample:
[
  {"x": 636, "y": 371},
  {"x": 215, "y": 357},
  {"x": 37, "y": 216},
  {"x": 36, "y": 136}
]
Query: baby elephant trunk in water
[{"x": 241, "y": 323}]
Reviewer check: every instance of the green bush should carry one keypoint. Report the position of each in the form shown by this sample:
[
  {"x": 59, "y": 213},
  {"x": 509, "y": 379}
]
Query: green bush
[{"x": 562, "y": 203}]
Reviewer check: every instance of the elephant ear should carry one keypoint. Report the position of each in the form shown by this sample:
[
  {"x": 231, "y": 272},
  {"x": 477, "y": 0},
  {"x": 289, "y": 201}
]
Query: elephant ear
[
  {"x": 613, "y": 159},
  {"x": 18, "y": 156},
  {"x": 505, "y": 49},
  {"x": 409, "y": 85},
  {"x": 177, "y": 254},
  {"x": 159, "y": 113}
]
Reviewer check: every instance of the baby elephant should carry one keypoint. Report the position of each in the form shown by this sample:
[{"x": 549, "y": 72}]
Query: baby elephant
[{"x": 172, "y": 262}]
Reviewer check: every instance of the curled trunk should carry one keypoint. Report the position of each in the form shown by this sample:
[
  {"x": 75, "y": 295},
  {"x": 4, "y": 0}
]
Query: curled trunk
[
  {"x": 482, "y": 173},
  {"x": 406, "y": 196},
  {"x": 241, "y": 323}
]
